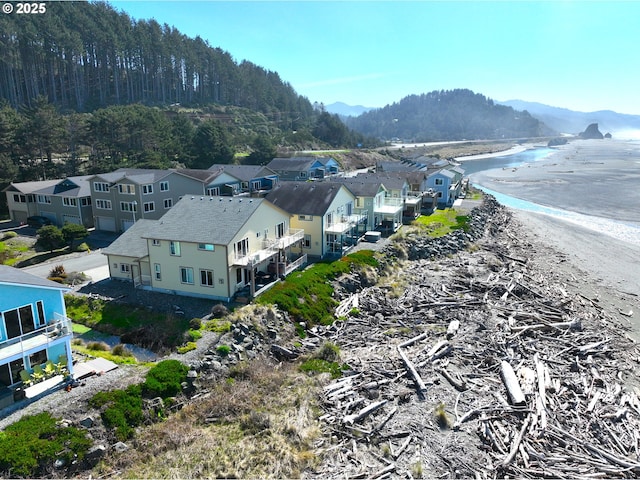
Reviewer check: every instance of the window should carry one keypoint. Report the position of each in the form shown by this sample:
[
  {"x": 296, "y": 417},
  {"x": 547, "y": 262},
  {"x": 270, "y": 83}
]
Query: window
[
  {"x": 147, "y": 189},
  {"x": 280, "y": 230},
  {"x": 155, "y": 242},
  {"x": 168, "y": 203},
  {"x": 69, "y": 202},
  {"x": 244, "y": 185},
  {"x": 174, "y": 248},
  {"x": 86, "y": 201},
  {"x": 149, "y": 206},
  {"x": 255, "y": 185},
  {"x": 128, "y": 206},
  {"x": 44, "y": 199},
  {"x": 103, "y": 204},
  {"x": 206, "y": 278},
  {"x": 19, "y": 321},
  {"x": 439, "y": 194},
  {"x": 19, "y": 198},
  {"x": 209, "y": 247},
  {"x": 38, "y": 358},
  {"x": 329, "y": 219},
  {"x": 101, "y": 186},
  {"x": 164, "y": 186},
  {"x": 241, "y": 248},
  {"x": 306, "y": 243},
  {"x": 303, "y": 174},
  {"x": 305, "y": 218},
  {"x": 127, "y": 188},
  {"x": 439, "y": 181},
  {"x": 41, "y": 318},
  {"x": 213, "y": 192},
  {"x": 124, "y": 268},
  {"x": 157, "y": 271},
  {"x": 186, "y": 275}
]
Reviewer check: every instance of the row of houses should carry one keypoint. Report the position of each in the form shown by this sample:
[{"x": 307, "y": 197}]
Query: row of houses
[{"x": 114, "y": 201}]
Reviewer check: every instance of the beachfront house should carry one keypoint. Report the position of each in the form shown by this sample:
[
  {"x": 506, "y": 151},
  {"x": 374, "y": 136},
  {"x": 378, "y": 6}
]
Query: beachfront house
[
  {"x": 325, "y": 212},
  {"x": 253, "y": 180},
  {"x": 62, "y": 201},
  {"x": 447, "y": 183},
  {"x": 35, "y": 335},
  {"x": 210, "y": 247},
  {"x": 304, "y": 168},
  {"x": 374, "y": 203}
]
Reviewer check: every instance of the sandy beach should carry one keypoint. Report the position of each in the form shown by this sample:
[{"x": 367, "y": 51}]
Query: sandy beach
[{"x": 599, "y": 180}]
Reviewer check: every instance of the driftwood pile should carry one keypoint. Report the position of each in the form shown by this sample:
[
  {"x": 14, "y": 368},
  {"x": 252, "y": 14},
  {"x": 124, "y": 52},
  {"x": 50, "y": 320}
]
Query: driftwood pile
[{"x": 484, "y": 367}]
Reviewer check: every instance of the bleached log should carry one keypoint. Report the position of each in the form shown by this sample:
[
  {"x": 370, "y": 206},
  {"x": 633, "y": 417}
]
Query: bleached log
[
  {"x": 516, "y": 443},
  {"x": 453, "y": 327},
  {"x": 351, "y": 419},
  {"x": 460, "y": 385},
  {"x": 422, "y": 387},
  {"x": 511, "y": 383}
]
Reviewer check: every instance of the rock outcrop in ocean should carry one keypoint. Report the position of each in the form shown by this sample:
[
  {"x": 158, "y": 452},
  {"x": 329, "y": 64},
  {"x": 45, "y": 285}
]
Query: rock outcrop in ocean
[{"x": 592, "y": 131}]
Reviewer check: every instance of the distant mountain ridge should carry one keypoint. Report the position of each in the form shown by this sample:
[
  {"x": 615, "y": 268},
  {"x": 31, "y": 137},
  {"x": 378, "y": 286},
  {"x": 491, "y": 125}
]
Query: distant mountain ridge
[
  {"x": 344, "y": 110},
  {"x": 569, "y": 121}
]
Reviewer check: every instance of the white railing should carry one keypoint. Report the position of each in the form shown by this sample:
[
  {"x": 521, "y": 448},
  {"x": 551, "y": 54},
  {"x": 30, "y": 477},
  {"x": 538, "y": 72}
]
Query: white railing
[
  {"x": 58, "y": 328},
  {"x": 290, "y": 267},
  {"x": 269, "y": 248}
]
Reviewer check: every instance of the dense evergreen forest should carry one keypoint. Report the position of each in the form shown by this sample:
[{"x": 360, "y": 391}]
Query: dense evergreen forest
[
  {"x": 447, "y": 115},
  {"x": 87, "y": 89}
]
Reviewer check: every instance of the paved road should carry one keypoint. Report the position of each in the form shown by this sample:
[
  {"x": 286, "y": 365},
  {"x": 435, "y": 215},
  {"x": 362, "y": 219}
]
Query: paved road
[{"x": 93, "y": 264}]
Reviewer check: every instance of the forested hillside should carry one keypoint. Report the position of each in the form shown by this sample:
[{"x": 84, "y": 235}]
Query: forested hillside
[
  {"x": 86, "y": 89},
  {"x": 447, "y": 115}
]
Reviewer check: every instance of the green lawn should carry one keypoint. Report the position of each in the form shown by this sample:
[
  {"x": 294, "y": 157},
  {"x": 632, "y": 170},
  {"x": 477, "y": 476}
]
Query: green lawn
[{"x": 442, "y": 222}]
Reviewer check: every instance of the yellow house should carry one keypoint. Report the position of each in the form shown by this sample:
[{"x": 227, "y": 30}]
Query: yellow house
[
  {"x": 212, "y": 247},
  {"x": 325, "y": 211}
]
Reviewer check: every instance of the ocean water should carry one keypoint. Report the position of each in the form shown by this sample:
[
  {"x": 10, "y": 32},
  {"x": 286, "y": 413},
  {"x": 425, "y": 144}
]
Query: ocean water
[{"x": 621, "y": 230}]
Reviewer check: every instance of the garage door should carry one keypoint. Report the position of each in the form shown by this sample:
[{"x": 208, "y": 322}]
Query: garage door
[
  {"x": 71, "y": 219},
  {"x": 106, "y": 223},
  {"x": 127, "y": 224},
  {"x": 51, "y": 216},
  {"x": 19, "y": 216}
]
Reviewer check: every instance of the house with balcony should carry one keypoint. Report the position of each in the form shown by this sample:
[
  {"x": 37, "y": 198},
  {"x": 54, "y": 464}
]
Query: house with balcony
[
  {"x": 210, "y": 247},
  {"x": 35, "y": 335},
  {"x": 304, "y": 168},
  {"x": 382, "y": 211},
  {"x": 122, "y": 197},
  {"x": 325, "y": 212},
  {"x": 61, "y": 201},
  {"x": 253, "y": 180},
  {"x": 447, "y": 183}
]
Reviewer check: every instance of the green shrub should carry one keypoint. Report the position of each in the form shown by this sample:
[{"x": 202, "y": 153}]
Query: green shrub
[
  {"x": 9, "y": 235},
  {"x": 195, "y": 335},
  {"x": 187, "y": 347},
  {"x": 223, "y": 350},
  {"x": 329, "y": 352},
  {"x": 30, "y": 446},
  {"x": 165, "y": 379},
  {"x": 218, "y": 326},
  {"x": 99, "y": 346},
  {"x": 121, "y": 351},
  {"x": 123, "y": 412},
  {"x": 83, "y": 247},
  {"x": 322, "y": 366},
  {"x": 219, "y": 310},
  {"x": 195, "y": 323}
]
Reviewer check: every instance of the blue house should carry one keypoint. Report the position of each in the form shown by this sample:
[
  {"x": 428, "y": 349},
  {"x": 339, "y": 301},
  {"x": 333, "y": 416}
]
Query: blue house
[
  {"x": 35, "y": 333},
  {"x": 304, "y": 168},
  {"x": 237, "y": 179},
  {"x": 447, "y": 183}
]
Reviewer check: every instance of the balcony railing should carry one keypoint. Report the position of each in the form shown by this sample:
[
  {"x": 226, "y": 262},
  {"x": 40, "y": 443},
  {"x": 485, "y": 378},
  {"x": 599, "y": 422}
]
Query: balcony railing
[
  {"x": 345, "y": 223},
  {"x": 269, "y": 248},
  {"x": 59, "y": 327}
]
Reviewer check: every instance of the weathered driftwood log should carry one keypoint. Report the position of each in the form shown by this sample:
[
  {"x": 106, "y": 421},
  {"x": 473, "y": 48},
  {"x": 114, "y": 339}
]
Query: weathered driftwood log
[
  {"x": 422, "y": 387},
  {"x": 511, "y": 383},
  {"x": 351, "y": 419},
  {"x": 452, "y": 329}
]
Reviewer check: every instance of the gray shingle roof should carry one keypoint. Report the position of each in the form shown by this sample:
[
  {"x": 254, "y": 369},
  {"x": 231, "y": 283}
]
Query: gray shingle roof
[
  {"x": 358, "y": 187},
  {"x": 202, "y": 219},
  {"x": 245, "y": 172},
  {"x": 12, "y": 275},
  {"x": 205, "y": 176},
  {"x": 306, "y": 198},
  {"x": 390, "y": 181},
  {"x": 133, "y": 242},
  {"x": 140, "y": 176},
  {"x": 297, "y": 164}
]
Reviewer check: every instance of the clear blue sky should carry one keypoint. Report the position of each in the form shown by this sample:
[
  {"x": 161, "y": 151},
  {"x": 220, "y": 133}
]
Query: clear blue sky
[{"x": 581, "y": 55}]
